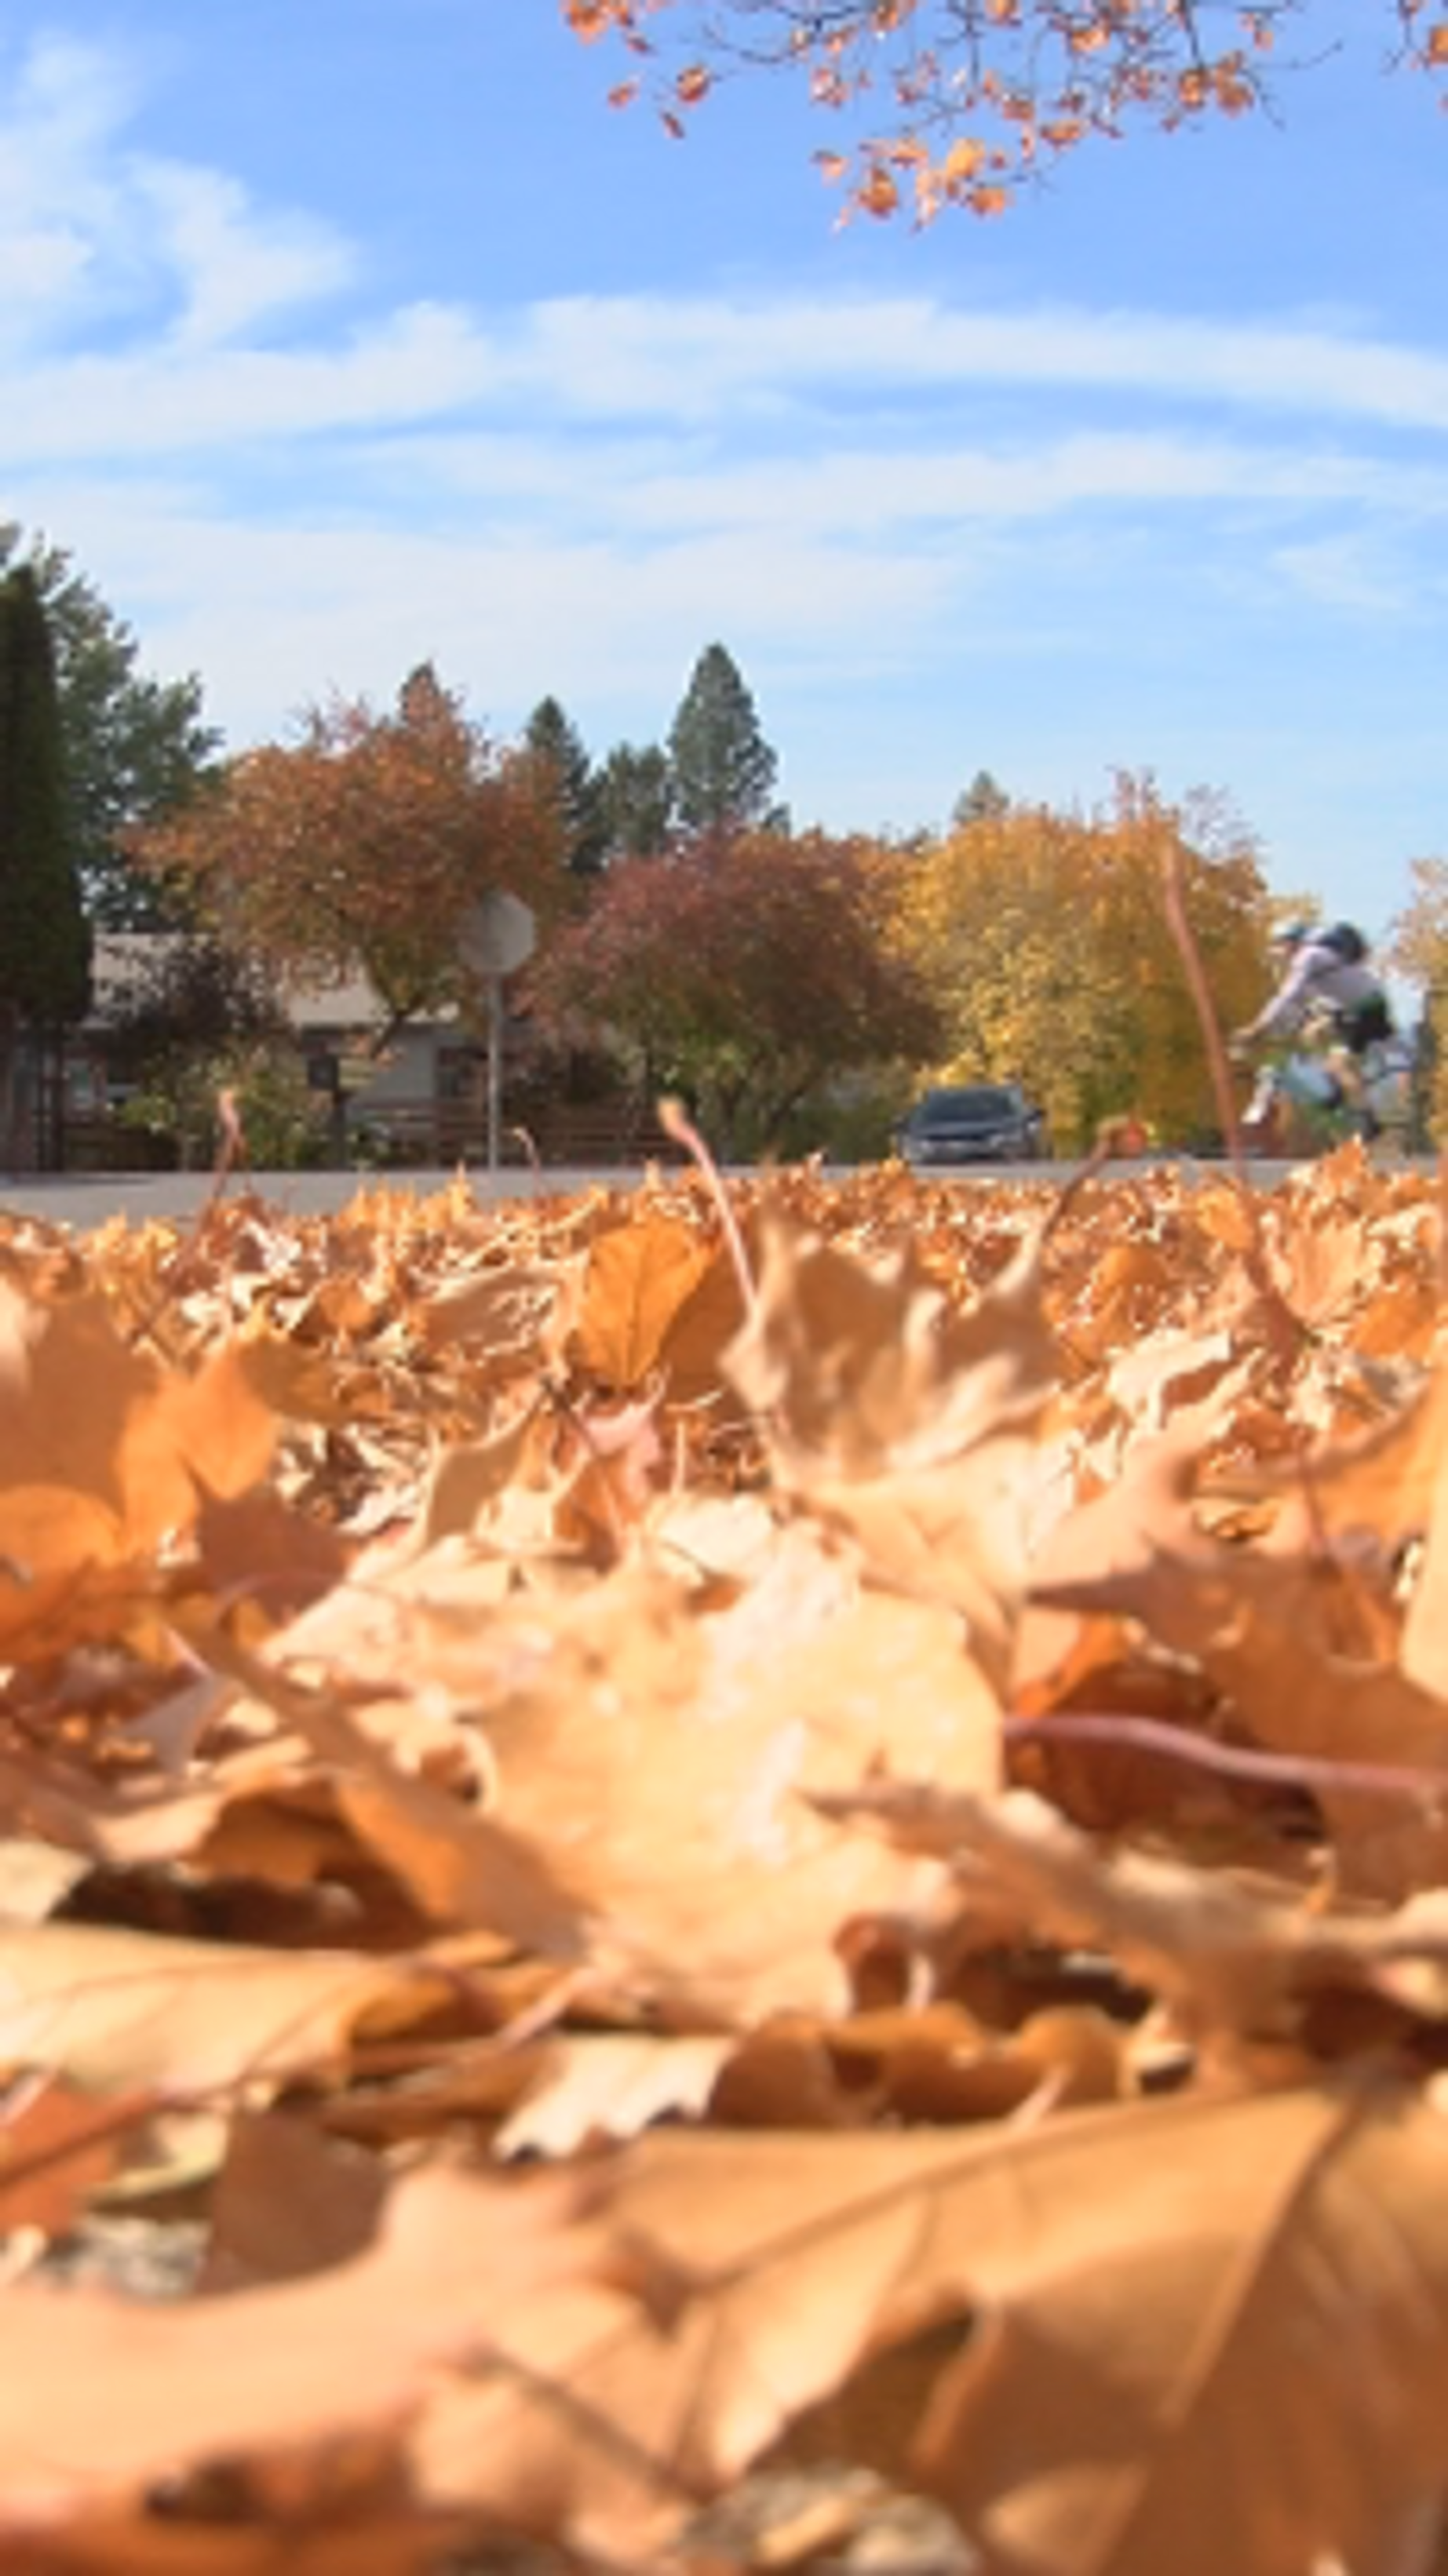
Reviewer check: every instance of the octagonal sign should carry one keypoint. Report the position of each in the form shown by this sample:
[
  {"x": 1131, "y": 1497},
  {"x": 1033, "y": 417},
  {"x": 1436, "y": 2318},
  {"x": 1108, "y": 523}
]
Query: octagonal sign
[{"x": 498, "y": 935}]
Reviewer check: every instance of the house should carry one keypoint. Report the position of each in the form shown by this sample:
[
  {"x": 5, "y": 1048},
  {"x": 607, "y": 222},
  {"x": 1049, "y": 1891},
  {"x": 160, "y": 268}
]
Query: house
[
  {"x": 418, "y": 1095},
  {"x": 423, "y": 1074}
]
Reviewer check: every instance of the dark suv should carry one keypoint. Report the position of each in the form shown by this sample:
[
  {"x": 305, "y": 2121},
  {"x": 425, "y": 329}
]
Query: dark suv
[{"x": 976, "y": 1122}]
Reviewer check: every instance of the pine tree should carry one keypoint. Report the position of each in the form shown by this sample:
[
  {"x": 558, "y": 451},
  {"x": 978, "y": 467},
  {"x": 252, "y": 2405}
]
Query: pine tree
[
  {"x": 983, "y": 801},
  {"x": 723, "y": 769},
  {"x": 555, "y": 741},
  {"x": 638, "y": 800}
]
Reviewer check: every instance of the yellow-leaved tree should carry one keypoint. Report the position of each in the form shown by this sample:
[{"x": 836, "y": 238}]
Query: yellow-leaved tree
[
  {"x": 1417, "y": 949},
  {"x": 1047, "y": 946}
]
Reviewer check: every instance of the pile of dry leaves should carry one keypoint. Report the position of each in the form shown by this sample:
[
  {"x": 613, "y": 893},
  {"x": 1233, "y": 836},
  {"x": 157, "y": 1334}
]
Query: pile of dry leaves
[{"x": 638, "y": 1846}]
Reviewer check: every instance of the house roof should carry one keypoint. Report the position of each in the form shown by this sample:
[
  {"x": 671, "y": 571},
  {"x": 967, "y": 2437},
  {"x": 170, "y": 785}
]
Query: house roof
[{"x": 124, "y": 961}]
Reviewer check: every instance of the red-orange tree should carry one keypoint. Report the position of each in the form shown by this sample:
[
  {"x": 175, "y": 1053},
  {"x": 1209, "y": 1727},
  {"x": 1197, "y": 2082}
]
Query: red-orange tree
[
  {"x": 747, "y": 970},
  {"x": 962, "y": 100},
  {"x": 363, "y": 845}
]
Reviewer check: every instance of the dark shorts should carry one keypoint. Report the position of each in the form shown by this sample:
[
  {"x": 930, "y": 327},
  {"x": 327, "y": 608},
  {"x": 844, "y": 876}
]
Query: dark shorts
[{"x": 1366, "y": 1024}]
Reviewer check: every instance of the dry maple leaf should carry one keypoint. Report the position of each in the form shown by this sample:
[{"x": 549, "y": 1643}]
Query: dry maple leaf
[
  {"x": 56, "y": 2145},
  {"x": 639, "y": 1276},
  {"x": 864, "y": 1367},
  {"x": 505, "y": 1306},
  {"x": 1207, "y": 2333},
  {"x": 647, "y": 1757},
  {"x": 280, "y": 2371},
  {"x": 289, "y": 2201},
  {"x": 1277, "y": 1627},
  {"x": 115, "y": 2009},
  {"x": 1250, "y": 1962},
  {"x": 462, "y": 1868},
  {"x": 662, "y": 1757},
  {"x": 913, "y": 1424},
  {"x": 102, "y": 1450}
]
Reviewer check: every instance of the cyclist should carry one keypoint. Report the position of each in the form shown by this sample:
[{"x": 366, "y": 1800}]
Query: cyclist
[{"x": 1326, "y": 971}]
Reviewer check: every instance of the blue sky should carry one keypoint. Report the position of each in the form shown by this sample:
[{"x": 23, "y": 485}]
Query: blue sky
[{"x": 337, "y": 334}]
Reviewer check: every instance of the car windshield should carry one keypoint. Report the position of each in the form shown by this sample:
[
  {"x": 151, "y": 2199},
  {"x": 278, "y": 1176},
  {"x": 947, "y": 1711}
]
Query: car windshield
[{"x": 975, "y": 1101}]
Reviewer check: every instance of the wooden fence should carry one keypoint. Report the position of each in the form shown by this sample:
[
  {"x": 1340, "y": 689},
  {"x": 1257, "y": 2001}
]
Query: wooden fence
[{"x": 423, "y": 1134}]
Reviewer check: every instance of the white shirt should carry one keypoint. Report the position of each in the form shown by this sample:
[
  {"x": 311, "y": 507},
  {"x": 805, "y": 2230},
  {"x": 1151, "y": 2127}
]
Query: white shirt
[{"x": 1317, "y": 974}]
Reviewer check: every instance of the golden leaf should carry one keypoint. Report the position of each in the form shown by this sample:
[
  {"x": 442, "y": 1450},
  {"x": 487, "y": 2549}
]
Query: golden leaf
[{"x": 961, "y": 162}]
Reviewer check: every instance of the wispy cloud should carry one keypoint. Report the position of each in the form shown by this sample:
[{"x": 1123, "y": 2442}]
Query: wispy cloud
[
  {"x": 170, "y": 398},
  {"x": 89, "y": 226},
  {"x": 210, "y": 369},
  {"x": 232, "y": 267},
  {"x": 684, "y": 357}
]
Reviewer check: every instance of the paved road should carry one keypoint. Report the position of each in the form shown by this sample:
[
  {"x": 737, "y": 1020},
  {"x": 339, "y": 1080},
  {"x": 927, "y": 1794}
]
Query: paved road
[{"x": 84, "y": 1200}]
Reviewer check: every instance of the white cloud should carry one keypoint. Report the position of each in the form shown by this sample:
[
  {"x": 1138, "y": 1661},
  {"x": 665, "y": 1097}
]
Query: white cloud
[
  {"x": 684, "y": 357},
  {"x": 88, "y": 224},
  {"x": 910, "y": 487},
  {"x": 1353, "y": 573},
  {"x": 232, "y": 266},
  {"x": 56, "y": 204},
  {"x": 170, "y": 398}
]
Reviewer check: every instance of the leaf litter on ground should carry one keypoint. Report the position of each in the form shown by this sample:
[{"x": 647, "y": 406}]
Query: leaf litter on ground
[{"x": 669, "y": 1874}]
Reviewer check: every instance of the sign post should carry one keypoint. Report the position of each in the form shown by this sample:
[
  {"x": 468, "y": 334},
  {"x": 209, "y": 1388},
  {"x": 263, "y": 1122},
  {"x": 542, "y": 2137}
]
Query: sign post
[{"x": 498, "y": 935}]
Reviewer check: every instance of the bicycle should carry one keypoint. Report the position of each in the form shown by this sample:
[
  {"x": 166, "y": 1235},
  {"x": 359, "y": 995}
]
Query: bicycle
[{"x": 1308, "y": 1100}]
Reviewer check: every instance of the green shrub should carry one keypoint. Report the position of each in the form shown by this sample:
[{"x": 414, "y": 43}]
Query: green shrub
[{"x": 284, "y": 1122}]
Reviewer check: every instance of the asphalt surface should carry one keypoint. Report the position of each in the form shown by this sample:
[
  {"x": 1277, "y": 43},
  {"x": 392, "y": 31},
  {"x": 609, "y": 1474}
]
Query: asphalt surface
[{"x": 84, "y": 1200}]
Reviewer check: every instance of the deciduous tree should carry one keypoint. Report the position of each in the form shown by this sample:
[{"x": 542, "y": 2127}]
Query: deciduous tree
[
  {"x": 745, "y": 969},
  {"x": 362, "y": 846},
  {"x": 959, "y": 102},
  {"x": 1418, "y": 950},
  {"x": 1045, "y": 941}
]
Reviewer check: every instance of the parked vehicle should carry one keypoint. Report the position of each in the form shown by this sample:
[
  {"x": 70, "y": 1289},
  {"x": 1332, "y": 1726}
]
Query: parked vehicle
[{"x": 974, "y": 1122}]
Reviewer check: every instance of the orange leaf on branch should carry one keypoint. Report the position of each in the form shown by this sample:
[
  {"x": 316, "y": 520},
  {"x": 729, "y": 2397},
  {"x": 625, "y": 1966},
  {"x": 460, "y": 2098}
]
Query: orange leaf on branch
[
  {"x": 877, "y": 193},
  {"x": 1082, "y": 71}
]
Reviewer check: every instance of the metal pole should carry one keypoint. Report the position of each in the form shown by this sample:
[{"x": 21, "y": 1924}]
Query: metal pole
[{"x": 495, "y": 1067}]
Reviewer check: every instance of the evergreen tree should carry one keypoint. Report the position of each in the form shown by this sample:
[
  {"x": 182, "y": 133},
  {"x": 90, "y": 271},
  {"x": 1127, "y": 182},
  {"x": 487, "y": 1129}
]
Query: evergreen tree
[
  {"x": 983, "y": 801},
  {"x": 638, "y": 800},
  {"x": 723, "y": 769},
  {"x": 554, "y": 741},
  {"x": 44, "y": 937},
  {"x": 133, "y": 747}
]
